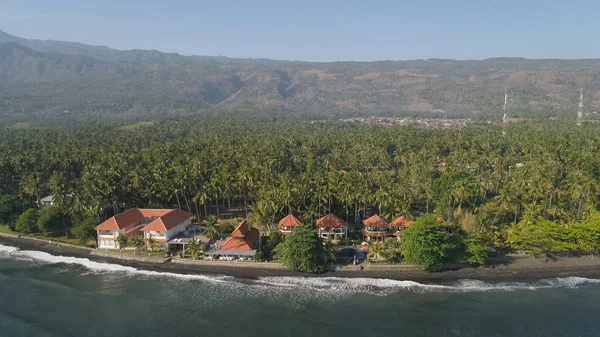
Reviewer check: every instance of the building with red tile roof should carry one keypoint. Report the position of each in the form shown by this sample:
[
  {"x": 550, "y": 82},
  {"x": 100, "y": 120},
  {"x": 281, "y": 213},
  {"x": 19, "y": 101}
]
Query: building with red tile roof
[
  {"x": 288, "y": 224},
  {"x": 375, "y": 227},
  {"x": 161, "y": 224},
  {"x": 242, "y": 238},
  {"x": 401, "y": 223},
  {"x": 331, "y": 226}
]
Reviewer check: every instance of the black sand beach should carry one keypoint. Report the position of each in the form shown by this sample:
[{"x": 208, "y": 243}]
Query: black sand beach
[{"x": 512, "y": 269}]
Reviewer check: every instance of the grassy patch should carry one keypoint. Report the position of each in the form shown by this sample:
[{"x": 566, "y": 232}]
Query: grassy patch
[
  {"x": 19, "y": 125},
  {"x": 5, "y": 229},
  {"x": 62, "y": 239},
  {"x": 137, "y": 125}
]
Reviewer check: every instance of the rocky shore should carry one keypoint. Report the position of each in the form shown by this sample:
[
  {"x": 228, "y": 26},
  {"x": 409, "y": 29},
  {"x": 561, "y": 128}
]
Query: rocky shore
[{"x": 511, "y": 268}]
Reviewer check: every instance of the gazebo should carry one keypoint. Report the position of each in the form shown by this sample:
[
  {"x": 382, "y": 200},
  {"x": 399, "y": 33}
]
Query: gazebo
[
  {"x": 401, "y": 223},
  {"x": 375, "y": 227},
  {"x": 330, "y": 225},
  {"x": 288, "y": 224}
]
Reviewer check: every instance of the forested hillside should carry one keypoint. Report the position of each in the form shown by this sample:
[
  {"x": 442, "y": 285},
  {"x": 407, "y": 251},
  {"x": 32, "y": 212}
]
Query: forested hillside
[{"x": 54, "y": 81}]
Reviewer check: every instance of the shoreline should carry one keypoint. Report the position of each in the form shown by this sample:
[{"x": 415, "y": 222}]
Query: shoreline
[{"x": 511, "y": 269}]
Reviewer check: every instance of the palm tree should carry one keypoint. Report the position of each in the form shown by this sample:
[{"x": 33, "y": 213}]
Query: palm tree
[
  {"x": 152, "y": 244},
  {"x": 137, "y": 241},
  {"x": 122, "y": 240},
  {"x": 194, "y": 248},
  {"x": 211, "y": 228},
  {"x": 31, "y": 185}
]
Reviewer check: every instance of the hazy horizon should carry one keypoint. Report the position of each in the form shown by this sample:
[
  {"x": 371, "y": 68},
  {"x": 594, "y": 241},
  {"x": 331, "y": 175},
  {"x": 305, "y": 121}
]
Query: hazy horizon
[
  {"x": 293, "y": 60},
  {"x": 318, "y": 31}
]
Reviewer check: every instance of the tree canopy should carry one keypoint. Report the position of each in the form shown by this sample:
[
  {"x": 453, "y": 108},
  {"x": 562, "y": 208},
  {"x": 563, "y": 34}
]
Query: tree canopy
[{"x": 303, "y": 250}]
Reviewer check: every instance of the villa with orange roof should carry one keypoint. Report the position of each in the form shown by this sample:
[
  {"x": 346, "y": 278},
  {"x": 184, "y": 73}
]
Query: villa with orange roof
[
  {"x": 160, "y": 224},
  {"x": 289, "y": 224},
  {"x": 331, "y": 226},
  {"x": 375, "y": 227},
  {"x": 401, "y": 223},
  {"x": 241, "y": 244}
]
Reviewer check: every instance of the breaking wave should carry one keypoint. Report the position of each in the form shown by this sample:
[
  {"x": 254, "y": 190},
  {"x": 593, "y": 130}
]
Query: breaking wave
[
  {"x": 98, "y": 267},
  {"x": 325, "y": 284},
  {"x": 387, "y": 286}
]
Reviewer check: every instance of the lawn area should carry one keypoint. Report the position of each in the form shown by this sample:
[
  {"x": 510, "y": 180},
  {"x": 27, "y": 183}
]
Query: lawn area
[
  {"x": 61, "y": 239},
  {"x": 5, "y": 229}
]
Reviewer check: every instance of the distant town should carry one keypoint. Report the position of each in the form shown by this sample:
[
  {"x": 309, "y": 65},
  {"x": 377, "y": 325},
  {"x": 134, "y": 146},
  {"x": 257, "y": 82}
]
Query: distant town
[{"x": 436, "y": 123}]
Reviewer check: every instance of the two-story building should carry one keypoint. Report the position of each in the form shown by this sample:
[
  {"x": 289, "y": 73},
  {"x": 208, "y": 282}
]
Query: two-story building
[
  {"x": 160, "y": 224},
  {"x": 330, "y": 226},
  {"x": 375, "y": 227}
]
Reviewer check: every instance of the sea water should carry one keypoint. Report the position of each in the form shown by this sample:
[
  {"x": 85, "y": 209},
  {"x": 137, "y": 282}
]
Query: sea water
[{"x": 46, "y": 295}]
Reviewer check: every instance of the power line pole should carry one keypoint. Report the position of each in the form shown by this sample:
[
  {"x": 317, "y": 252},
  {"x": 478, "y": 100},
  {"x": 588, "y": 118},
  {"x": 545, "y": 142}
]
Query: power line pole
[
  {"x": 505, "y": 117},
  {"x": 580, "y": 110}
]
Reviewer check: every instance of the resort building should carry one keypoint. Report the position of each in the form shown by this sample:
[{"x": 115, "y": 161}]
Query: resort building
[
  {"x": 289, "y": 224},
  {"x": 330, "y": 226},
  {"x": 399, "y": 224},
  {"x": 241, "y": 244},
  {"x": 160, "y": 224},
  {"x": 49, "y": 200},
  {"x": 375, "y": 227}
]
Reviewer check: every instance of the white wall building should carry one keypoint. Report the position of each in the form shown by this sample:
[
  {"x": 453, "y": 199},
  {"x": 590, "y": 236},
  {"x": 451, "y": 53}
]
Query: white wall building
[{"x": 161, "y": 224}]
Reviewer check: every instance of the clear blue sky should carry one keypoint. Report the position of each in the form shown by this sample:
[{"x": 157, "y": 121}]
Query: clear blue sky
[{"x": 325, "y": 30}]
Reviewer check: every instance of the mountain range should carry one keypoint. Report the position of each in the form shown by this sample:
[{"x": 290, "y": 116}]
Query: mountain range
[{"x": 56, "y": 80}]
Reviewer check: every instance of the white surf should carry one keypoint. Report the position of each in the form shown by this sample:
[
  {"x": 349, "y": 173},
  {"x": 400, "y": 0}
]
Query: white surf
[{"x": 326, "y": 284}]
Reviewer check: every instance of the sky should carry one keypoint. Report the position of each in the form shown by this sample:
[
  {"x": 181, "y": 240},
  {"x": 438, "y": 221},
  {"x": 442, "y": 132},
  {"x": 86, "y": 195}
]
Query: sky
[{"x": 325, "y": 30}]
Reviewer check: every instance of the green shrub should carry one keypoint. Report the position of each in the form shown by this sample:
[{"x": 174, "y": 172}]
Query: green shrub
[
  {"x": 542, "y": 237},
  {"x": 476, "y": 251},
  {"x": 426, "y": 244},
  {"x": 84, "y": 230},
  {"x": 50, "y": 221},
  {"x": 259, "y": 256},
  {"x": 587, "y": 233},
  {"x": 303, "y": 251},
  {"x": 27, "y": 222},
  {"x": 10, "y": 209}
]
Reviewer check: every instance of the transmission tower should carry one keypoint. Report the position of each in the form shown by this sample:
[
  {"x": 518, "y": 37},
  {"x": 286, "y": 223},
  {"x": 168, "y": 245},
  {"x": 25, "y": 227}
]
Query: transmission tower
[
  {"x": 580, "y": 110},
  {"x": 505, "y": 117}
]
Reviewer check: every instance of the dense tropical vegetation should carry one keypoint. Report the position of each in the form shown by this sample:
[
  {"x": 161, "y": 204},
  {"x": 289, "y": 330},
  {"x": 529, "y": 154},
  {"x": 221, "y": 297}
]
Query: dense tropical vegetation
[{"x": 495, "y": 189}]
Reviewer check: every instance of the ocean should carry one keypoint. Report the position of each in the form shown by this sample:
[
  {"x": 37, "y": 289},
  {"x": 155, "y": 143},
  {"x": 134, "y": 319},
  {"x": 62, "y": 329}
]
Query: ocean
[{"x": 45, "y": 295}]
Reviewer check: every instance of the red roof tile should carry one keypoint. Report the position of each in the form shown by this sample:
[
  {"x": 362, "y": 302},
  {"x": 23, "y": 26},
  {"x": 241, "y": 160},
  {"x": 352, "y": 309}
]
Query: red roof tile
[
  {"x": 167, "y": 221},
  {"x": 290, "y": 221},
  {"x": 330, "y": 220},
  {"x": 242, "y": 238},
  {"x": 134, "y": 216},
  {"x": 402, "y": 222},
  {"x": 375, "y": 221}
]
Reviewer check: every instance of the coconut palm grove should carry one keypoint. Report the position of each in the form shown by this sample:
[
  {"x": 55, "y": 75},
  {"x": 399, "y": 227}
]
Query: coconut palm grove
[{"x": 534, "y": 190}]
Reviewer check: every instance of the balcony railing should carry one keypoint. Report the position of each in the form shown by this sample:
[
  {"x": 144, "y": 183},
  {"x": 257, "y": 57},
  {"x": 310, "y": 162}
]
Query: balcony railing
[{"x": 108, "y": 233}]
